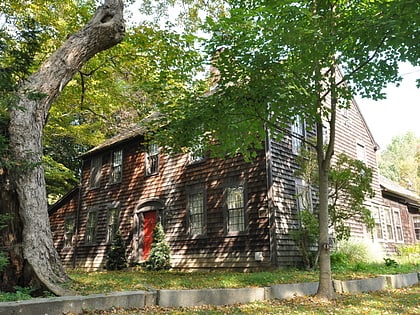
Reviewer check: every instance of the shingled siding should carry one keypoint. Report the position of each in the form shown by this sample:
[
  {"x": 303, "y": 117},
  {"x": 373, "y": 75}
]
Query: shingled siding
[
  {"x": 217, "y": 247},
  {"x": 170, "y": 187}
]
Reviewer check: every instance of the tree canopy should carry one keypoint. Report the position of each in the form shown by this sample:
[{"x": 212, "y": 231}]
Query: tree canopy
[{"x": 400, "y": 161}]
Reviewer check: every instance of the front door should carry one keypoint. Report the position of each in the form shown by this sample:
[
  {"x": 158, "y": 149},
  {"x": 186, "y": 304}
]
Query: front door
[{"x": 149, "y": 223}]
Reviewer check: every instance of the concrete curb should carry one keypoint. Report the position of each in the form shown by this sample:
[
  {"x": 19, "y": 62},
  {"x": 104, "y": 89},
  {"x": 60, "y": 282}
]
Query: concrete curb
[{"x": 174, "y": 298}]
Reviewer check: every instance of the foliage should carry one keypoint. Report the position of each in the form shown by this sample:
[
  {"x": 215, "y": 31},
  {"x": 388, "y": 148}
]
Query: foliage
[
  {"x": 349, "y": 253},
  {"x": 400, "y": 161},
  {"x": 116, "y": 257},
  {"x": 389, "y": 262},
  {"x": 305, "y": 237},
  {"x": 350, "y": 185},
  {"x": 20, "y": 294},
  {"x": 159, "y": 257},
  {"x": 4, "y": 260},
  {"x": 408, "y": 254}
]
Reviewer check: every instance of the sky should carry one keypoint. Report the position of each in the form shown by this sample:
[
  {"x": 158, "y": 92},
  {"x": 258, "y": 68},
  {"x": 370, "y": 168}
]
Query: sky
[{"x": 398, "y": 113}]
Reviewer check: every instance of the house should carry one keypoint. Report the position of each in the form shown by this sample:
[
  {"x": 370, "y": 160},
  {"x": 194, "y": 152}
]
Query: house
[{"x": 216, "y": 213}]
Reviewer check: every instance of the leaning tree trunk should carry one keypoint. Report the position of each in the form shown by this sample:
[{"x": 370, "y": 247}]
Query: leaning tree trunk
[{"x": 41, "y": 263}]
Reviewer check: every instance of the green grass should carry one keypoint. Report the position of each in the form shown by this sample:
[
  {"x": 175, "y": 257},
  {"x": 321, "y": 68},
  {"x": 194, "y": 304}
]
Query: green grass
[{"x": 138, "y": 279}]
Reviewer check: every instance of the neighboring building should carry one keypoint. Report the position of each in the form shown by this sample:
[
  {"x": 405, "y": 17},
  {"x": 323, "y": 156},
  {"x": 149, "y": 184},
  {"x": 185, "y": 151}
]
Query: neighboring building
[{"x": 217, "y": 213}]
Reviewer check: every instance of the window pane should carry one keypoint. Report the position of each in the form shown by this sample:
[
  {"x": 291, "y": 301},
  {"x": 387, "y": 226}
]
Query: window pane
[
  {"x": 113, "y": 216},
  {"x": 116, "y": 167},
  {"x": 196, "y": 211},
  {"x": 69, "y": 231},
  {"x": 152, "y": 159},
  {"x": 91, "y": 227},
  {"x": 235, "y": 208},
  {"x": 303, "y": 197},
  {"x": 95, "y": 171}
]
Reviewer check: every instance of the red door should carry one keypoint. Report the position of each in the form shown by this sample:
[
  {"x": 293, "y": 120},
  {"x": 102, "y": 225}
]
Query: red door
[{"x": 149, "y": 224}]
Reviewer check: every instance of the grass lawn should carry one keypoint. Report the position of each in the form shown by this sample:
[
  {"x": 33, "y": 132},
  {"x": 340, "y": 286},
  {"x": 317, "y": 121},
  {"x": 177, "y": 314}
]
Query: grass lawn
[{"x": 401, "y": 301}]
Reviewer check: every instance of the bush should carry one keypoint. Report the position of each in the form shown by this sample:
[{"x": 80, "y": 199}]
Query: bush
[
  {"x": 4, "y": 261},
  {"x": 159, "y": 258},
  {"x": 348, "y": 252},
  {"x": 409, "y": 254},
  {"x": 116, "y": 258}
]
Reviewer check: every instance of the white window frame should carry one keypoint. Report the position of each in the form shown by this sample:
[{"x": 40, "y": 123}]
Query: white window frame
[
  {"x": 361, "y": 152},
  {"x": 235, "y": 209},
  {"x": 91, "y": 224},
  {"x": 303, "y": 196},
  {"x": 416, "y": 224},
  {"x": 196, "y": 213},
  {"x": 69, "y": 230},
  {"x": 95, "y": 171},
  {"x": 116, "y": 166},
  {"x": 398, "y": 228},
  {"x": 152, "y": 159},
  {"x": 112, "y": 223},
  {"x": 297, "y": 134},
  {"x": 377, "y": 217}
]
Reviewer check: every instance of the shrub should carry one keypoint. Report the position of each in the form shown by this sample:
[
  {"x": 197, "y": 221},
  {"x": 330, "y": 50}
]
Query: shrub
[
  {"x": 159, "y": 258},
  {"x": 348, "y": 252},
  {"x": 116, "y": 257},
  {"x": 409, "y": 254}
]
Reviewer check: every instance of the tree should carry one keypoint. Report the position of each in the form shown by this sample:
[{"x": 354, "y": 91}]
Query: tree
[
  {"x": 350, "y": 183},
  {"x": 159, "y": 257},
  {"x": 276, "y": 61},
  {"x": 116, "y": 257},
  {"x": 38, "y": 264},
  {"x": 400, "y": 161}
]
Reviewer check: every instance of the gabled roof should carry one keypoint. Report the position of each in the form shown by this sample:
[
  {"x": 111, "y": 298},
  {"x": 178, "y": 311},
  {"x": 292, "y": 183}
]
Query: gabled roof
[
  {"x": 126, "y": 135},
  {"x": 135, "y": 131},
  {"x": 65, "y": 199},
  {"x": 392, "y": 188}
]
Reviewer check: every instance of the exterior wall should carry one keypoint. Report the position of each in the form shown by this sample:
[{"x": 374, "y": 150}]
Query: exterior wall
[
  {"x": 65, "y": 210},
  {"x": 408, "y": 237},
  {"x": 285, "y": 212},
  {"x": 352, "y": 132},
  {"x": 170, "y": 187}
]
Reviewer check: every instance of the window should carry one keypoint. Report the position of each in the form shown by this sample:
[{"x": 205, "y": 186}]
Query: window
[
  {"x": 90, "y": 236},
  {"x": 416, "y": 221},
  {"x": 388, "y": 224},
  {"x": 303, "y": 196},
  {"x": 152, "y": 159},
  {"x": 196, "y": 213},
  {"x": 397, "y": 224},
  {"x": 376, "y": 214},
  {"x": 69, "y": 225},
  {"x": 116, "y": 167},
  {"x": 235, "y": 209},
  {"x": 298, "y": 134},
  {"x": 95, "y": 172},
  {"x": 196, "y": 154},
  {"x": 112, "y": 226},
  {"x": 361, "y": 152}
]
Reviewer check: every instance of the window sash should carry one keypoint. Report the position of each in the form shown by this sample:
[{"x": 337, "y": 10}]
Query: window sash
[
  {"x": 298, "y": 133},
  {"x": 113, "y": 221},
  {"x": 90, "y": 237},
  {"x": 69, "y": 226},
  {"x": 116, "y": 167},
  {"x": 416, "y": 222},
  {"x": 376, "y": 214},
  {"x": 196, "y": 213},
  {"x": 303, "y": 197},
  {"x": 235, "y": 209},
  {"x": 95, "y": 171},
  {"x": 152, "y": 159}
]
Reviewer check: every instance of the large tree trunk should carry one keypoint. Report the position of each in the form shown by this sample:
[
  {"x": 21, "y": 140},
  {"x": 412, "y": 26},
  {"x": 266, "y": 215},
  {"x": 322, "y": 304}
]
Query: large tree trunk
[
  {"x": 324, "y": 157},
  {"x": 41, "y": 264}
]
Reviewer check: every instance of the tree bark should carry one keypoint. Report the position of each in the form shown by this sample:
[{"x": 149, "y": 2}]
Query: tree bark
[{"x": 41, "y": 264}]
